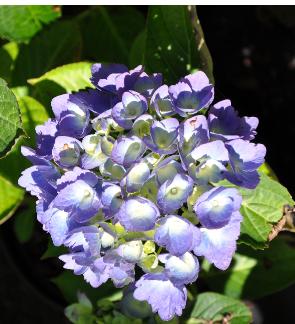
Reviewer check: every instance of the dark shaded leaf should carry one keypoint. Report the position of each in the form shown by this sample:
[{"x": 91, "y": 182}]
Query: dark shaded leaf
[
  {"x": 256, "y": 273},
  {"x": 24, "y": 223},
  {"x": 56, "y": 45},
  {"x": 109, "y": 32},
  {"x": 174, "y": 43},
  {"x": 69, "y": 284}
]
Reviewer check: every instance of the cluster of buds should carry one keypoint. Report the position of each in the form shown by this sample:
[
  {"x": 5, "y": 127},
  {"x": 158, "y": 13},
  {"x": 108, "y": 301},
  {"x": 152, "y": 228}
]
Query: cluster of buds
[{"x": 127, "y": 177}]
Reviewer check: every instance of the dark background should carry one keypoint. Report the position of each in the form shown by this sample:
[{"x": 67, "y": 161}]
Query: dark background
[{"x": 253, "y": 50}]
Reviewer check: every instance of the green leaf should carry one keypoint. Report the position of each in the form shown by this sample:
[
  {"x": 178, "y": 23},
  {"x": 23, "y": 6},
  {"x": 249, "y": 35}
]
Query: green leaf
[
  {"x": 266, "y": 169},
  {"x": 69, "y": 284},
  {"x": 33, "y": 114},
  {"x": 53, "y": 251},
  {"x": 256, "y": 273},
  {"x": 56, "y": 45},
  {"x": 261, "y": 209},
  {"x": 215, "y": 308},
  {"x": 20, "y": 23},
  {"x": 109, "y": 32},
  {"x": 174, "y": 43},
  {"x": 10, "y": 122},
  {"x": 136, "y": 56},
  {"x": 24, "y": 222},
  {"x": 10, "y": 198},
  {"x": 67, "y": 78},
  {"x": 8, "y": 54},
  {"x": 71, "y": 77},
  {"x": 79, "y": 313}
]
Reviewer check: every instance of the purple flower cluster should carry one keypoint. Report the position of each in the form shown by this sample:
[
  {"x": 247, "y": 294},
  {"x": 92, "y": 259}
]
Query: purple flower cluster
[{"x": 127, "y": 175}]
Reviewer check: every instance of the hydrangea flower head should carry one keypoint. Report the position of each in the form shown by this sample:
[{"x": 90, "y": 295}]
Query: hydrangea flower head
[{"x": 128, "y": 175}]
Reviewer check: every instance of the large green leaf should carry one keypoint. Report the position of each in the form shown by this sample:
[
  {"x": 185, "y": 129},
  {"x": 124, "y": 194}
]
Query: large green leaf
[
  {"x": 33, "y": 113},
  {"x": 8, "y": 54},
  {"x": 261, "y": 209},
  {"x": 67, "y": 78},
  {"x": 108, "y": 32},
  {"x": 136, "y": 56},
  {"x": 10, "y": 122},
  {"x": 256, "y": 273},
  {"x": 174, "y": 42},
  {"x": 215, "y": 308},
  {"x": 56, "y": 45},
  {"x": 20, "y": 23},
  {"x": 10, "y": 198}
]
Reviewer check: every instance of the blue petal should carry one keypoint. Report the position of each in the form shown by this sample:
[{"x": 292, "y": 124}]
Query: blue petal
[
  {"x": 218, "y": 245},
  {"x": 127, "y": 150},
  {"x": 183, "y": 269},
  {"x": 137, "y": 176},
  {"x": 66, "y": 151},
  {"x": 156, "y": 288},
  {"x": 215, "y": 207},
  {"x": 177, "y": 235},
  {"x": 79, "y": 199},
  {"x": 173, "y": 193},
  {"x": 138, "y": 214}
]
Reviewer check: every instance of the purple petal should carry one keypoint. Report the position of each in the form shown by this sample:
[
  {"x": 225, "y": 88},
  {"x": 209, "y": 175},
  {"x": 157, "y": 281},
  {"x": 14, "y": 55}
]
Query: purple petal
[
  {"x": 183, "y": 269},
  {"x": 146, "y": 84},
  {"x": 177, "y": 235},
  {"x": 127, "y": 80},
  {"x": 77, "y": 174},
  {"x": 225, "y": 124},
  {"x": 136, "y": 177},
  {"x": 192, "y": 133},
  {"x": 46, "y": 134},
  {"x": 163, "y": 136},
  {"x": 72, "y": 115},
  {"x": 104, "y": 75},
  {"x": 132, "y": 106},
  {"x": 245, "y": 158},
  {"x": 174, "y": 193},
  {"x": 214, "y": 150},
  {"x": 33, "y": 157},
  {"x": 86, "y": 238},
  {"x": 66, "y": 151},
  {"x": 162, "y": 102},
  {"x": 127, "y": 150},
  {"x": 218, "y": 245},
  {"x": 215, "y": 207},
  {"x": 95, "y": 100},
  {"x": 111, "y": 198},
  {"x": 167, "y": 169},
  {"x": 164, "y": 297},
  {"x": 197, "y": 80},
  {"x": 40, "y": 181},
  {"x": 138, "y": 214},
  {"x": 79, "y": 199},
  {"x": 57, "y": 223}
]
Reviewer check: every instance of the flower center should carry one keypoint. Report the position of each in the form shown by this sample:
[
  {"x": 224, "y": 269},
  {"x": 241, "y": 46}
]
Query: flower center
[
  {"x": 174, "y": 191},
  {"x": 87, "y": 193},
  {"x": 215, "y": 203}
]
